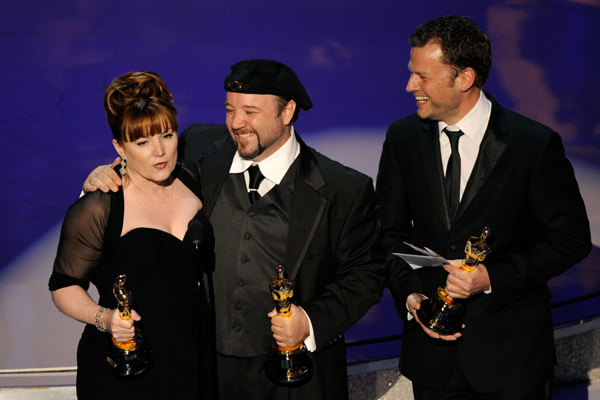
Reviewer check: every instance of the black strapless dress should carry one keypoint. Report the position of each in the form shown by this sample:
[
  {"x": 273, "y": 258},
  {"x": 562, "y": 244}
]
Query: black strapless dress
[{"x": 162, "y": 275}]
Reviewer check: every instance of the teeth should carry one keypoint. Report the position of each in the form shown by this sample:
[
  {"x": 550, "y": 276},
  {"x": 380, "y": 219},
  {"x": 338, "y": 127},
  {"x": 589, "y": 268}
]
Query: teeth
[{"x": 421, "y": 98}]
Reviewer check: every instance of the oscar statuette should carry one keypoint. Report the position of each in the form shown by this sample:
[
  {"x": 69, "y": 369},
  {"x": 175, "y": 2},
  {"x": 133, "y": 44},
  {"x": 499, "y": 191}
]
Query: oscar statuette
[
  {"x": 444, "y": 314},
  {"x": 132, "y": 357},
  {"x": 288, "y": 366}
]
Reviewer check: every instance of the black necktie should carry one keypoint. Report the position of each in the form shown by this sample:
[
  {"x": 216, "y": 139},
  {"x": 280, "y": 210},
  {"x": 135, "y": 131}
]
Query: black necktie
[
  {"x": 254, "y": 182},
  {"x": 452, "y": 179}
]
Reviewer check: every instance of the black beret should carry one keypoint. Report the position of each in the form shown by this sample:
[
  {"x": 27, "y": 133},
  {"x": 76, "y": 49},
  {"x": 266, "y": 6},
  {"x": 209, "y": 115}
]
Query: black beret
[{"x": 267, "y": 77}]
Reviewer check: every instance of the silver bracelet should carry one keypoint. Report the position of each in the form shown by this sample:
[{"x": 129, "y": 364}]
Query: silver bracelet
[{"x": 98, "y": 317}]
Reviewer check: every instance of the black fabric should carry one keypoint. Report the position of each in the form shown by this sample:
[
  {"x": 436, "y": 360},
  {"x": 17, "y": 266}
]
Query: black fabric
[
  {"x": 249, "y": 248},
  {"x": 332, "y": 253},
  {"x": 507, "y": 342},
  {"x": 193, "y": 148},
  {"x": 256, "y": 177},
  {"x": 459, "y": 388},
  {"x": 161, "y": 272},
  {"x": 452, "y": 178},
  {"x": 245, "y": 379}
]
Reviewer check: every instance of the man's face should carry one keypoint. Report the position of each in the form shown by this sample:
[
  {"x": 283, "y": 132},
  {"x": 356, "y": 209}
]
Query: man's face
[
  {"x": 256, "y": 126},
  {"x": 434, "y": 85}
]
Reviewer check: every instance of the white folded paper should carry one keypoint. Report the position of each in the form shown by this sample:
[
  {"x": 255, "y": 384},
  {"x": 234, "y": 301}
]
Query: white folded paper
[{"x": 429, "y": 258}]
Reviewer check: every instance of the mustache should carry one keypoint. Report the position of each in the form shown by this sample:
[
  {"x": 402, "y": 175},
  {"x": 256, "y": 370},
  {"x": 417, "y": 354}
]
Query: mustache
[{"x": 242, "y": 131}]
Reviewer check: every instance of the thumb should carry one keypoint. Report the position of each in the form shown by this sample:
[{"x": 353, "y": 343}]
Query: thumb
[
  {"x": 116, "y": 162},
  {"x": 273, "y": 313},
  {"x": 135, "y": 316}
]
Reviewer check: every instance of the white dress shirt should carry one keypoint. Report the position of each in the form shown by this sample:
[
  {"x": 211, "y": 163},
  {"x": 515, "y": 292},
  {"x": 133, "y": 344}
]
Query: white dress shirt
[
  {"x": 473, "y": 125},
  {"x": 273, "y": 167}
]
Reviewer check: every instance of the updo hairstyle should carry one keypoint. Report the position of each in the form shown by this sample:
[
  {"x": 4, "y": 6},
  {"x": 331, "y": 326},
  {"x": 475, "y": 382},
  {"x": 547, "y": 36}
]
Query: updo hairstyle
[{"x": 139, "y": 104}]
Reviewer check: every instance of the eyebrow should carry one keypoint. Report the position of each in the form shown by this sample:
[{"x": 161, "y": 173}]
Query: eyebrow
[{"x": 244, "y": 106}]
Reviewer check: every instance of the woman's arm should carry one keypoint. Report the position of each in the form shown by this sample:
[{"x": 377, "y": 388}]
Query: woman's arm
[{"x": 75, "y": 302}]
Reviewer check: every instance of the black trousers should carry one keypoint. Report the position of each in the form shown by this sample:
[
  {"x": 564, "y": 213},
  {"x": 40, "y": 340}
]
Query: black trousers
[
  {"x": 458, "y": 388},
  {"x": 245, "y": 378}
]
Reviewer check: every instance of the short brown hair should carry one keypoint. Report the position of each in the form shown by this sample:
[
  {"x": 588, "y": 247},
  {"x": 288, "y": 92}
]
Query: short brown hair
[
  {"x": 139, "y": 104},
  {"x": 463, "y": 44}
]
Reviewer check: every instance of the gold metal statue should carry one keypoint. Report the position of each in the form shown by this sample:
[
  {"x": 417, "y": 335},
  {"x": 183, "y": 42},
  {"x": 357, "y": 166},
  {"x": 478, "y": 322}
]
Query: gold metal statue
[
  {"x": 289, "y": 366},
  {"x": 131, "y": 357},
  {"x": 444, "y": 314}
]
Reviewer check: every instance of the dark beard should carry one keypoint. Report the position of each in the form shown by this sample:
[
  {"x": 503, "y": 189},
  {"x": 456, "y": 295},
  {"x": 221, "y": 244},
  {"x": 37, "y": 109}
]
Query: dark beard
[{"x": 259, "y": 148}]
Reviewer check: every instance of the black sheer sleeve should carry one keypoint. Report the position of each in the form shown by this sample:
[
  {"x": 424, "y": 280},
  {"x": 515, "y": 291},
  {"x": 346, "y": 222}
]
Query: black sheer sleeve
[{"x": 81, "y": 241}]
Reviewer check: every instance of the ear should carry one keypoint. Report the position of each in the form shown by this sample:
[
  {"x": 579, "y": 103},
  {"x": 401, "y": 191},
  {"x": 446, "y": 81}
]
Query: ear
[
  {"x": 467, "y": 78},
  {"x": 119, "y": 148},
  {"x": 288, "y": 112}
]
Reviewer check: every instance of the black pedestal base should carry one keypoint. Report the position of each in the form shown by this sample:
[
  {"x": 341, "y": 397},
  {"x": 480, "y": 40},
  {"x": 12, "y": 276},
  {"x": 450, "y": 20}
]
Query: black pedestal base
[
  {"x": 289, "y": 368},
  {"x": 441, "y": 317},
  {"x": 128, "y": 363}
]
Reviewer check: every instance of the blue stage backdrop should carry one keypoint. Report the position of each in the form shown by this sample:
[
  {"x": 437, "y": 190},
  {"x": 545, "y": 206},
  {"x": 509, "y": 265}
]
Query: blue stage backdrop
[{"x": 57, "y": 57}]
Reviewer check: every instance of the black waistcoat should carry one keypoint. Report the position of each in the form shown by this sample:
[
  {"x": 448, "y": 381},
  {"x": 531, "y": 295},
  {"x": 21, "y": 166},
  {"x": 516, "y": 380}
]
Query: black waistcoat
[{"x": 250, "y": 243}]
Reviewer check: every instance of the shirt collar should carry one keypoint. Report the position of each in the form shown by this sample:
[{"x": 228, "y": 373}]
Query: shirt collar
[
  {"x": 273, "y": 167},
  {"x": 473, "y": 124}
]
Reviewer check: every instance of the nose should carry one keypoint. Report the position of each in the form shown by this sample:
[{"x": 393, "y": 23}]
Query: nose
[
  {"x": 412, "y": 84},
  {"x": 159, "y": 148},
  {"x": 237, "y": 121}
]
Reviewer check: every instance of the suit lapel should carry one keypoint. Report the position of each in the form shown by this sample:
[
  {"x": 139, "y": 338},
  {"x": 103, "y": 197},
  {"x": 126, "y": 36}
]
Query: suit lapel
[
  {"x": 307, "y": 209},
  {"x": 490, "y": 151},
  {"x": 429, "y": 150},
  {"x": 213, "y": 171}
]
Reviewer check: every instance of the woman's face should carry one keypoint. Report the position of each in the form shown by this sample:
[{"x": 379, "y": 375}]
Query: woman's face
[{"x": 150, "y": 158}]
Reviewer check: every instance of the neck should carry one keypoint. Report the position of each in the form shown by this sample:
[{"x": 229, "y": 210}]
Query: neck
[
  {"x": 147, "y": 187},
  {"x": 466, "y": 105}
]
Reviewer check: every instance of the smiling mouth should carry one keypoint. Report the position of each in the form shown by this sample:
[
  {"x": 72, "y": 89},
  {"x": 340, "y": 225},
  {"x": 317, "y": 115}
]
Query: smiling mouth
[{"x": 421, "y": 99}]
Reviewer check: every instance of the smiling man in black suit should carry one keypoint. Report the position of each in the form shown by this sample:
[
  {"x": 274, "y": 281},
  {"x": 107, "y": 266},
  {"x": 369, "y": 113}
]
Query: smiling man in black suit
[{"x": 460, "y": 163}]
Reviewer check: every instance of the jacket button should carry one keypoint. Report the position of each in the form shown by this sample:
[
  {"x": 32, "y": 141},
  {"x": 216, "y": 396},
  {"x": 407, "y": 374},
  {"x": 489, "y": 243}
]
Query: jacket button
[{"x": 453, "y": 247}]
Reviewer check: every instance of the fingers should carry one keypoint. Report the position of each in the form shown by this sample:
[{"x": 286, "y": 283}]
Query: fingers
[
  {"x": 121, "y": 329},
  {"x": 292, "y": 330},
  {"x": 279, "y": 332},
  {"x": 116, "y": 162},
  {"x": 414, "y": 303},
  {"x": 92, "y": 184},
  {"x": 435, "y": 335},
  {"x": 462, "y": 284},
  {"x": 459, "y": 284},
  {"x": 103, "y": 178}
]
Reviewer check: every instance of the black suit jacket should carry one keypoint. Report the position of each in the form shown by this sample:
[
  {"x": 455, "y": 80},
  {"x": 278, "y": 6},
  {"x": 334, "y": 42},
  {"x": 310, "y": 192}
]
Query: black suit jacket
[
  {"x": 333, "y": 249},
  {"x": 524, "y": 189}
]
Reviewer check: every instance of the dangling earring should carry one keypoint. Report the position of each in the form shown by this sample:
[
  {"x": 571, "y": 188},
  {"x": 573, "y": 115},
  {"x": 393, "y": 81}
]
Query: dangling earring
[{"x": 122, "y": 170}]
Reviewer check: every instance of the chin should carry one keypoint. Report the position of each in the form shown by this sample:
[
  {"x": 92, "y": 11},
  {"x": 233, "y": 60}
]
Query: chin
[{"x": 423, "y": 114}]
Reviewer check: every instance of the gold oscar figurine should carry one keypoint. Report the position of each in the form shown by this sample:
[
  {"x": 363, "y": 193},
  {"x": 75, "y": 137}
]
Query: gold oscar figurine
[
  {"x": 444, "y": 314},
  {"x": 131, "y": 357},
  {"x": 288, "y": 366}
]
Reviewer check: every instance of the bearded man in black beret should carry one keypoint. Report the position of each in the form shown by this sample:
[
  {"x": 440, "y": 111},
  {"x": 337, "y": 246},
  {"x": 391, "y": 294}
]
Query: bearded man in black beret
[{"x": 309, "y": 213}]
